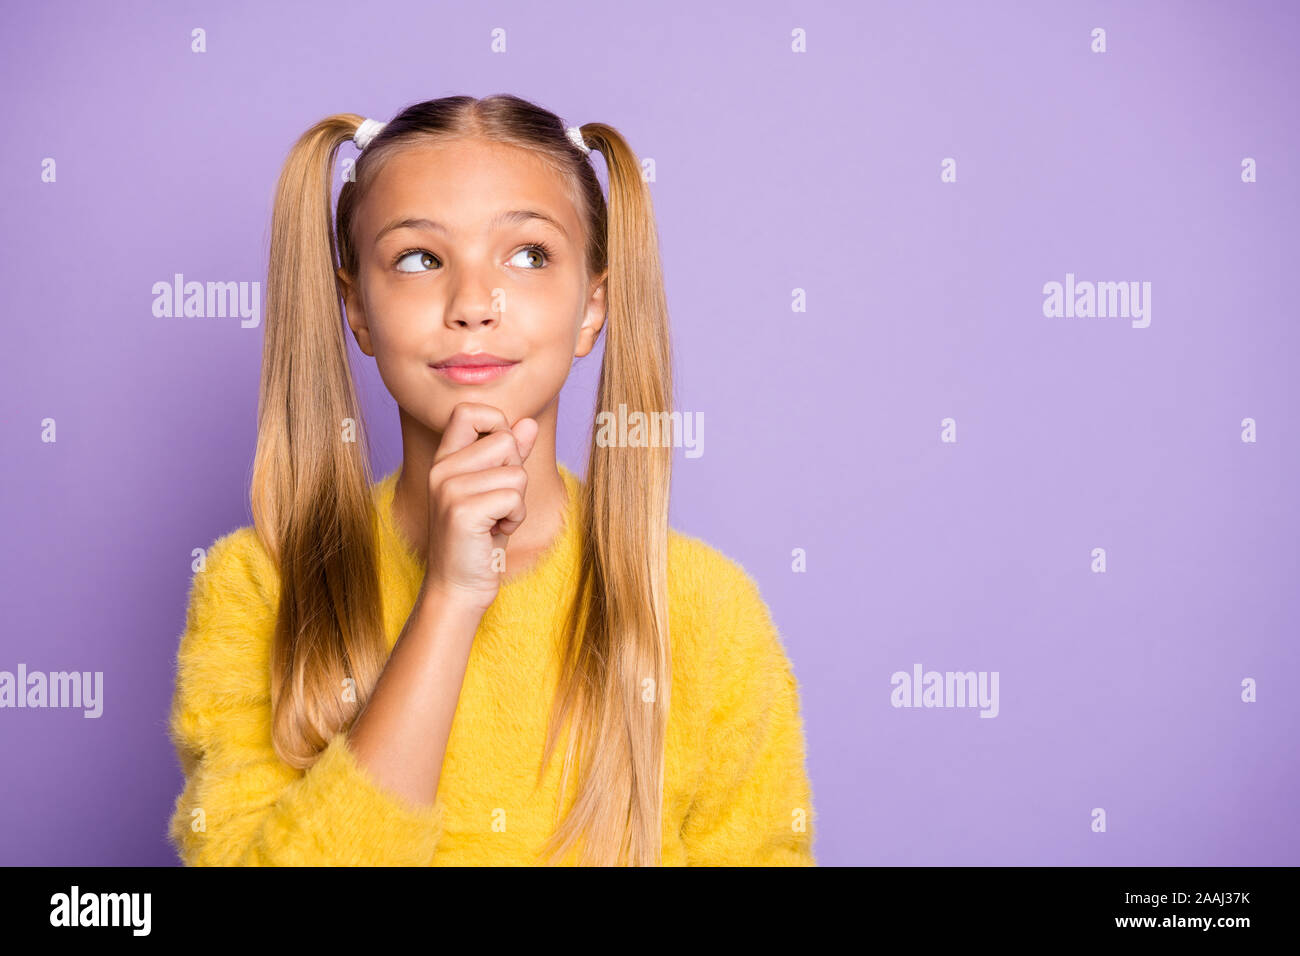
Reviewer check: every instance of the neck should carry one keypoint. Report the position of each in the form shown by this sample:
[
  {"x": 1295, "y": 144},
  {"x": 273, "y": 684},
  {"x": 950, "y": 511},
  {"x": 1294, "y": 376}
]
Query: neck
[{"x": 545, "y": 498}]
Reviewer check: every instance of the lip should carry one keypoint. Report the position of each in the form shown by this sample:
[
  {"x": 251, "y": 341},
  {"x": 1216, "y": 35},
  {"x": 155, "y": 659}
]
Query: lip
[{"x": 472, "y": 369}]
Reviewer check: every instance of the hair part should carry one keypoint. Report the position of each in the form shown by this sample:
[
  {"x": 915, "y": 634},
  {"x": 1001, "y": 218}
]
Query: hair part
[{"x": 313, "y": 509}]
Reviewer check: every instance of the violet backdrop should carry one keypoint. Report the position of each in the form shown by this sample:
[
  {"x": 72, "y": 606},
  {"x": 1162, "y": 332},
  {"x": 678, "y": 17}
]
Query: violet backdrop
[{"x": 775, "y": 171}]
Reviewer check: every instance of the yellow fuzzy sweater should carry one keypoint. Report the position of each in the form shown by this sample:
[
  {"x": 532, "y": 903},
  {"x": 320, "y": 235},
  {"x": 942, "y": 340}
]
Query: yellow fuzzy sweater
[{"x": 736, "y": 791}]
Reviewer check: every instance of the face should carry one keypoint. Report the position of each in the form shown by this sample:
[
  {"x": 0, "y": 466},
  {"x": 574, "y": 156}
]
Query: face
[{"x": 468, "y": 278}]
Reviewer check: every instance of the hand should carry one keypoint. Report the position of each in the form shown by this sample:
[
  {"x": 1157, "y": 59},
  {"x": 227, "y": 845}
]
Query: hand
[{"x": 476, "y": 501}]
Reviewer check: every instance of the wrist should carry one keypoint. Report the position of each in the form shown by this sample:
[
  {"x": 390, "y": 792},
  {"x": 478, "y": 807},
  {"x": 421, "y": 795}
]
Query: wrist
[{"x": 450, "y": 606}]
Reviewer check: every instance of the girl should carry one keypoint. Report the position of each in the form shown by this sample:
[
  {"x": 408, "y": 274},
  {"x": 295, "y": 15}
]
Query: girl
[{"x": 366, "y": 672}]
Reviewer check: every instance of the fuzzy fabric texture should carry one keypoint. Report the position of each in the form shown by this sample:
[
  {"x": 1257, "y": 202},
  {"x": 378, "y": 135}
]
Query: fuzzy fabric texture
[{"x": 736, "y": 790}]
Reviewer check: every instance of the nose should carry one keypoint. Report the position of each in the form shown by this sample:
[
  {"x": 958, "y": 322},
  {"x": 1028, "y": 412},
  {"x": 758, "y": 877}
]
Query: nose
[{"x": 477, "y": 301}]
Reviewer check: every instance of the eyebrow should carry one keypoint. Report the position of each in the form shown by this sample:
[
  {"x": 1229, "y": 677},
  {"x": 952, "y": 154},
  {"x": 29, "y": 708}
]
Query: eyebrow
[{"x": 511, "y": 217}]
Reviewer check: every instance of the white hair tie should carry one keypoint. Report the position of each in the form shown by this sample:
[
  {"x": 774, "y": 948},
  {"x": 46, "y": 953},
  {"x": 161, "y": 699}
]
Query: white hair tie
[
  {"x": 366, "y": 132},
  {"x": 369, "y": 129},
  {"x": 575, "y": 135}
]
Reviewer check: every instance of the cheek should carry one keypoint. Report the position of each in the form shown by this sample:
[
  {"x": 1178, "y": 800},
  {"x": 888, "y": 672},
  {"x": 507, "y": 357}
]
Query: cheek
[
  {"x": 550, "y": 345},
  {"x": 552, "y": 366},
  {"x": 402, "y": 352},
  {"x": 551, "y": 323},
  {"x": 399, "y": 325},
  {"x": 395, "y": 350}
]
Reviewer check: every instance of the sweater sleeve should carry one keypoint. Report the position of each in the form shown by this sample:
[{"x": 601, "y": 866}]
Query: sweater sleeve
[
  {"x": 754, "y": 804},
  {"x": 241, "y": 804}
]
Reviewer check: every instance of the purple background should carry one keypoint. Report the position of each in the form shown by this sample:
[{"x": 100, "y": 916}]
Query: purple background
[{"x": 775, "y": 171}]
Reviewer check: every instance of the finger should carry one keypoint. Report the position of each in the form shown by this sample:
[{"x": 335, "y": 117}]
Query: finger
[
  {"x": 469, "y": 421},
  {"x": 504, "y": 505},
  {"x": 490, "y": 451},
  {"x": 526, "y": 431},
  {"x": 468, "y": 484}
]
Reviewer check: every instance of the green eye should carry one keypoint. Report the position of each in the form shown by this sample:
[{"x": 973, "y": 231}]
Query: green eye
[
  {"x": 426, "y": 259},
  {"x": 537, "y": 249}
]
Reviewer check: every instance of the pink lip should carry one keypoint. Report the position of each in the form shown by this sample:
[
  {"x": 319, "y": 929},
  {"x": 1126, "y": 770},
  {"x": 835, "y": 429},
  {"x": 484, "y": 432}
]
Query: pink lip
[
  {"x": 473, "y": 370},
  {"x": 473, "y": 358}
]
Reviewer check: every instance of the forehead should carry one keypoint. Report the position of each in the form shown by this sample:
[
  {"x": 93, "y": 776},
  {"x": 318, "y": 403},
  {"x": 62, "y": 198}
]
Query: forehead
[{"x": 463, "y": 184}]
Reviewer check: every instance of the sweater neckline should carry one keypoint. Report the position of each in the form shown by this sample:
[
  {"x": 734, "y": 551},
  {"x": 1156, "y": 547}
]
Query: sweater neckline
[{"x": 546, "y": 569}]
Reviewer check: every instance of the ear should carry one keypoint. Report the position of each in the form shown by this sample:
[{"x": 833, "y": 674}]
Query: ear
[
  {"x": 594, "y": 318},
  {"x": 356, "y": 314}
]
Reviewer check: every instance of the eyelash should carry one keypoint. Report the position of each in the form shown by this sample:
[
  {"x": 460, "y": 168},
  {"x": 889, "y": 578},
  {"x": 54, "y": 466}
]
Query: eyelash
[{"x": 541, "y": 247}]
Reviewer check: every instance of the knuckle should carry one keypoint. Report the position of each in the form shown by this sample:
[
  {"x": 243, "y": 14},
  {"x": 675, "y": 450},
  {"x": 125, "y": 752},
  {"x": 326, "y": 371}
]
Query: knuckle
[
  {"x": 457, "y": 512},
  {"x": 453, "y": 487},
  {"x": 450, "y": 492}
]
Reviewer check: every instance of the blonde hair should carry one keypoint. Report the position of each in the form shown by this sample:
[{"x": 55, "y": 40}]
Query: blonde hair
[{"x": 314, "y": 513}]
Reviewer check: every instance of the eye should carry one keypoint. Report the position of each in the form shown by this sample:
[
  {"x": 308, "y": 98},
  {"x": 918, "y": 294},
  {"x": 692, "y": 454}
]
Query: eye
[
  {"x": 536, "y": 249},
  {"x": 427, "y": 258}
]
